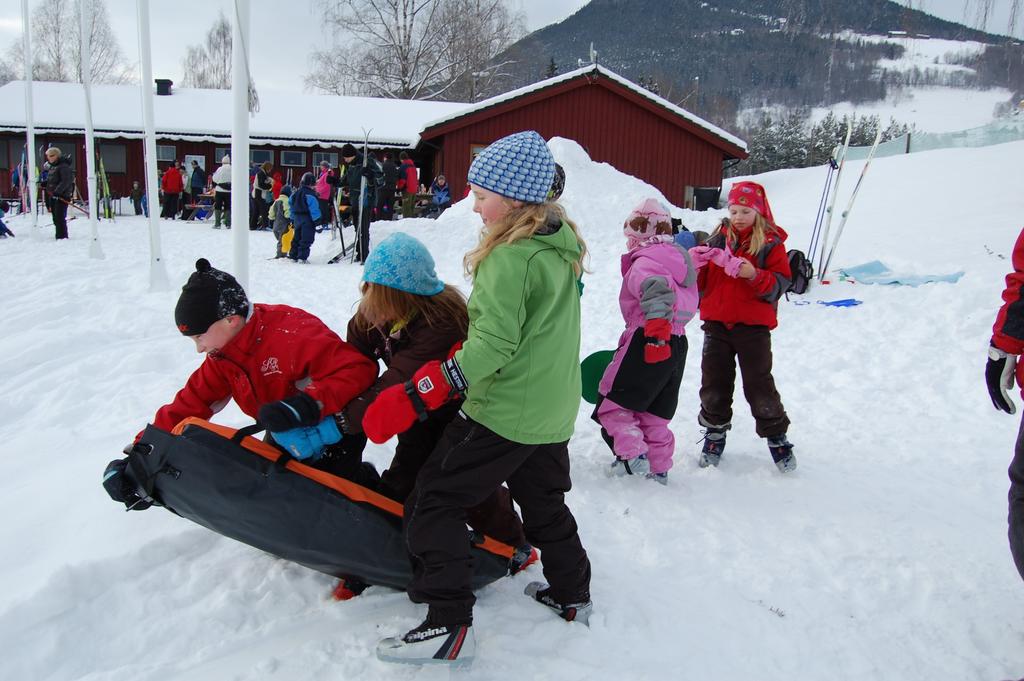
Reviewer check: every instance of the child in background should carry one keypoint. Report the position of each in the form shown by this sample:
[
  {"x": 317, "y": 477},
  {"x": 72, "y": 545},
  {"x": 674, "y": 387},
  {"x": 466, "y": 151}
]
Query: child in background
[
  {"x": 305, "y": 213},
  {"x": 519, "y": 374},
  {"x": 280, "y": 215},
  {"x": 5, "y": 231},
  {"x": 441, "y": 196},
  {"x": 257, "y": 355},
  {"x": 136, "y": 197},
  {"x": 747, "y": 272},
  {"x": 640, "y": 388}
]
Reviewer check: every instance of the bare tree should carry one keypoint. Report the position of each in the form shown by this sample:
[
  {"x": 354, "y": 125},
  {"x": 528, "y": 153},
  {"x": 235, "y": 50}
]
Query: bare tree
[
  {"x": 475, "y": 33},
  {"x": 209, "y": 65},
  {"x": 412, "y": 49},
  {"x": 393, "y": 48},
  {"x": 983, "y": 10},
  {"x": 7, "y": 72},
  {"x": 56, "y": 45}
]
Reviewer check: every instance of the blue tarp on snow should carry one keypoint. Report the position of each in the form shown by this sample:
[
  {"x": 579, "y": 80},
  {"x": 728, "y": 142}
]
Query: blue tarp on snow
[{"x": 876, "y": 272}]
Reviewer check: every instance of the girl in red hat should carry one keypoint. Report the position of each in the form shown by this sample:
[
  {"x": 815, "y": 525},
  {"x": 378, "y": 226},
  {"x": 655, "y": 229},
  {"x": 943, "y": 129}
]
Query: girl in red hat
[{"x": 746, "y": 272}]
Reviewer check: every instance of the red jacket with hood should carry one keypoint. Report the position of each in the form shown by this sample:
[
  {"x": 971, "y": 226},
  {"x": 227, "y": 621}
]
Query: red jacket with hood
[
  {"x": 280, "y": 351},
  {"x": 407, "y": 180},
  {"x": 746, "y": 301},
  {"x": 171, "y": 182}
]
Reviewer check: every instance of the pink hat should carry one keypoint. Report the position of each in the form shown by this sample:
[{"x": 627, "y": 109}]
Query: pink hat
[
  {"x": 648, "y": 220},
  {"x": 751, "y": 195}
]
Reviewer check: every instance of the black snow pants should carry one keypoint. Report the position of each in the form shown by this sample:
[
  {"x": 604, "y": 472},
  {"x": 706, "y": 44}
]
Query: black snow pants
[
  {"x": 466, "y": 467},
  {"x": 1016, "y": 498}
]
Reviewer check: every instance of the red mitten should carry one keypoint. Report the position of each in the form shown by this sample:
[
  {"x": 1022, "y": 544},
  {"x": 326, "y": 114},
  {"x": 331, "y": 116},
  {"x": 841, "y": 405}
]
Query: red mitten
[
  {"x": 658, "y": 329},
  {"x": 657, "y": 352},
  {"x": 658, "y": 332},
  {"x": 432, "y": 384},
  {"x": 390, "y": 414},
  {"x": 398, "y": 407}
]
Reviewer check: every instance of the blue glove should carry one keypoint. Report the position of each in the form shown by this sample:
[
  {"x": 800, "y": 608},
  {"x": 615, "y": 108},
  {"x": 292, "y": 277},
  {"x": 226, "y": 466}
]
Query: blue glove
[{"x": 309, "y": 442}]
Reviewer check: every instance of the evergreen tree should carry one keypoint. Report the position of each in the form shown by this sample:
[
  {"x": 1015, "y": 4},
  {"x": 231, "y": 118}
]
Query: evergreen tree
[
  {"x": 864, "y": 130},
  {"x": 824, "y": 136},
  {"x": 552, "y": 69}
]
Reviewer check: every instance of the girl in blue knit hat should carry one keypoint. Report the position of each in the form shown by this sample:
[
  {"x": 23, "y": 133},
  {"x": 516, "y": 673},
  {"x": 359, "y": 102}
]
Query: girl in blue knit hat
[
  {"x": 518, "y": 373},
  {"x": 408, "y": 316}
]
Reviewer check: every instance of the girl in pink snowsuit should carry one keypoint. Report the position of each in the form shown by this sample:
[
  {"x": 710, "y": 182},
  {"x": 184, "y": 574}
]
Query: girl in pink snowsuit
[{"x": 640, "y": 388}]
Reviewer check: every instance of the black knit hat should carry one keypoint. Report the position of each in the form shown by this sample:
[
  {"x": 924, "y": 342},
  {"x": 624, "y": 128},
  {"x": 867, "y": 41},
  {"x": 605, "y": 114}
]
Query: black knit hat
[
  {"x": 208, "y": 296},
  {"x": 348, "y": 151}
]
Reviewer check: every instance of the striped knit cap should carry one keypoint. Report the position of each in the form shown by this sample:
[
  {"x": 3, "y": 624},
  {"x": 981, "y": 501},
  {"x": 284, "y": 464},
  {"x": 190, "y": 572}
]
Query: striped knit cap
[{"x": 519, "y": 167}]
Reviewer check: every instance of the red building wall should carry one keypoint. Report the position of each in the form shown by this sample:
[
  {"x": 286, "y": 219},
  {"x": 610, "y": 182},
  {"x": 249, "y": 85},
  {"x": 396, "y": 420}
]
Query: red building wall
[{"x": 613, "y": 124}]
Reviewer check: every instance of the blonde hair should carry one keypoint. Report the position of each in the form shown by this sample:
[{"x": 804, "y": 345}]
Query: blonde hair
[
  {"x": 383, "y": 306},
  {"x": 521, "y": 222},
  {"x": 53, "y": 151},
  {"x": 758, "y": 233}
]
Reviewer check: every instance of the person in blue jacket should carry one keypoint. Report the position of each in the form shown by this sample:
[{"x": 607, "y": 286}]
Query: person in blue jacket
[
  {"x": 305, "y": 210},
  {"x": 442, "y": 196}
]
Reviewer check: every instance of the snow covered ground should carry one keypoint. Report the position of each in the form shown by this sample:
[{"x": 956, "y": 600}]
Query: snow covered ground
[
  {"x": 883, "y": 557},
  {"x": 931, "y": 109}
]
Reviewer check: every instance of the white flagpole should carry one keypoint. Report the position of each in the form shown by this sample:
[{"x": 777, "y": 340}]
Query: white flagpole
[
  {"x": 85, "y": 27},
  {"x": 240, "y": 143},
  {"x": 30, "y": 131},
  {"x": 157, "y": 271}
]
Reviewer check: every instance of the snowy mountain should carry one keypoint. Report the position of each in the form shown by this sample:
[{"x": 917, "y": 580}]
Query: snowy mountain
[
  {"x": 883, "y": 557},
  {"x": 719, "y": 57}
]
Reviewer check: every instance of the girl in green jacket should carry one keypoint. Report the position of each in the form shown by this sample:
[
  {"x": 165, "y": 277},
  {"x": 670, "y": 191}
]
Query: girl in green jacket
[{"x": 518, "y": 371}]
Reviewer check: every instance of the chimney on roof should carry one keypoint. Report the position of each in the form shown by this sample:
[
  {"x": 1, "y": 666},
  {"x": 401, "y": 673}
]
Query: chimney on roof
[{"x": 163, "y": 86}]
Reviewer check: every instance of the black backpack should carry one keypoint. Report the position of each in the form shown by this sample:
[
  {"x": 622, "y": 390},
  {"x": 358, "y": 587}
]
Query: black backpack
[{"x": 801, "y": 272}]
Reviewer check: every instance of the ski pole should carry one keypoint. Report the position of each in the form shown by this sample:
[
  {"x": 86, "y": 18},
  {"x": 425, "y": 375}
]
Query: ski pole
[
  {"x": 829, "y": 210},
  {"x": 820, "y": 216},
  {"x": 849, "y": 205}
]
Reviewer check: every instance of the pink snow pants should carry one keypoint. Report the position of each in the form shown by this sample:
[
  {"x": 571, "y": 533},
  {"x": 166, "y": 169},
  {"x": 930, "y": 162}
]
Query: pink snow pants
[{"x": 636, "y": 433}]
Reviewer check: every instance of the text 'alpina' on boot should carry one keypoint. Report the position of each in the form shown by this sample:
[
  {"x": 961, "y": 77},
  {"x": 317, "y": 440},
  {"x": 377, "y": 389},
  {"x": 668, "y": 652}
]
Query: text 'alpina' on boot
[
  {"x": 782, "y": 453},
  {"x": 636, "y": 466},
  {"x": 451, "y": 644},
  {"x": 570, "y": 612}
]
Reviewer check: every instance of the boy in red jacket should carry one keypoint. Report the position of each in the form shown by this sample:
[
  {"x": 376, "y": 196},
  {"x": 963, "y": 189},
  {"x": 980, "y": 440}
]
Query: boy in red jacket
[{"x": 280, "y": 364}]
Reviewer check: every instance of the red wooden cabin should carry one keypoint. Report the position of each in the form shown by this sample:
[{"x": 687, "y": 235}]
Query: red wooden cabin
[{"x": 615, "y": 120}]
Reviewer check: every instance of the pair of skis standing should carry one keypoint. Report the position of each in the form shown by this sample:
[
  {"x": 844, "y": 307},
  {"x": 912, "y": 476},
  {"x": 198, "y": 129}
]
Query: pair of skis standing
[
  {"x": 362, "y": 241},
  {"x": 826, "y": 208}
]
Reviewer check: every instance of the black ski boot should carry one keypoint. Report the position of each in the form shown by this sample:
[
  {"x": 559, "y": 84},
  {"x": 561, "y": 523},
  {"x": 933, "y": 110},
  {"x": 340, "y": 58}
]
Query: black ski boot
[
  {"x": 429, "y": 643},
  {"x": 782, "y": 453},
  {"x": 570, "y": 612},
  {"x": 714, "y": 444}
]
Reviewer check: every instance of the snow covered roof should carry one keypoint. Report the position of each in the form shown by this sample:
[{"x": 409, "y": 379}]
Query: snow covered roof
[
  {"x": 589, "y": 68},
  {"x": 283, "y": 118}
]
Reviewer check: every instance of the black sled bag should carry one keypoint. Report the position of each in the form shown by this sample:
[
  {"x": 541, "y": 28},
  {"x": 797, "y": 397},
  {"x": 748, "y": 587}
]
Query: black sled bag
[{"x": 243, "y": 488}]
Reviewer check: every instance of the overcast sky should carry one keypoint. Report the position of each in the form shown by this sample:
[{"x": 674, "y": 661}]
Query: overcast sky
[{"x": 285, "y": 32}]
